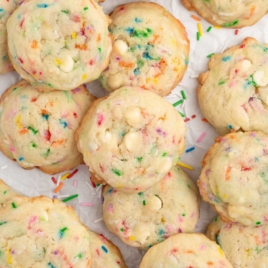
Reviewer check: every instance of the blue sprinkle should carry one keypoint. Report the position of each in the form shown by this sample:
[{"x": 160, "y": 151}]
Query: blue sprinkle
[
  {"x": 137, "y": 20},
  {"x": 130, "y": 30},
  {"x": 137, "y": 71},
  {"x": 265, "y": 49},
  {"x": 63, "y": 123},
  {"x": 104, "y": 249},
  {"x": 161, "y": 232},
  {"x": 227, "y": 58},
  {"x": 110, "y": 191},
  {"x": 186, "y": 61},
  {"x": 46, "y": 116},
  {"x": 21, "y": 158},
  {"x": 50, "y": 265},
  {"x": 42, "y": 5},
  {"x": 230, "y": 126},
  {"x": 190, "y": 150},
  {"x": 147, "y": 56},
  {"x": 1, "y": 10}
]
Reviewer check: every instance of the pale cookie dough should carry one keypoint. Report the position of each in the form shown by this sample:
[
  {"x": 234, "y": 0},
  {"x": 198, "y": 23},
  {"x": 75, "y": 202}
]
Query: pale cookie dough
[
  {"x": 234, "y": 178},
  {"x": 245, "y": 247},
  {"x": 229, "y": 13},
  {"x": 150, "y": 49},
  {"x": 59, "y": 44},
  {"x": 185, "y": 251},
  {"x": 233, "y": 94},
  {"x": 131, "y": 139},
  {"x": 5, "y": 194},
  {"x": 143, "y": 219},
  {"x": 37, "y": 128},
  {"x": 41, "y": 232}
]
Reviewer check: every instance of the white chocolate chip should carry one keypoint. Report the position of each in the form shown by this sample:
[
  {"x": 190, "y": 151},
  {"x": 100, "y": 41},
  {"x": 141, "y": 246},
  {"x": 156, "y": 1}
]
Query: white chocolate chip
[
  {"x": 115, "y": 81},
  {"x": 134, "y": 117},
  {"x": 141, "y": 232},
  {"x": 133, "y": 141},
  {"x": 66, "y": 62},
  {"x": 260, "y": 78},
  {"x": 163, "y": 165},
  {"x": 120, "y": 46},
  {"x": 245, "y": 65},
  {"x": 154, "y": 203}
]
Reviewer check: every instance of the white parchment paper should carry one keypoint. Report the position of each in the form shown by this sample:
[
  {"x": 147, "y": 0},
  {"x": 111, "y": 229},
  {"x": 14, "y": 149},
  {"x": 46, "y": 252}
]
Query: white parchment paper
[{"x": 34, "y": 182}]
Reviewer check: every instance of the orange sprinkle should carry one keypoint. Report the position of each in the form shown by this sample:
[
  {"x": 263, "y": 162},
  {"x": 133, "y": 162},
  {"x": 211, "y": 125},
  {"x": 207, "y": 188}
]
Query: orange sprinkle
[
  {"x": 81, "y": 47},
  {"x": 59, "y": 142},
  {"x": 195, "y": 18},
  {"x": 227, "y": 175},
  {"x": 58, "y": 188},
  {"x": 156, "y": 36},
  {"x": 126, "y": 64},
  {"x": 157, "y": 75},
  {"x": 252, "y": 11},
  {"x": 204, "y": 120},
  {"x": 34, "y": 44},
  {"x": 51, "y": 103},
  {"x": 210, "y": 263},
  {"x": 24, "y": 131},
  {"x": 189, "y": 252},
  {"x": 44, "y": 111},
  {"x": 99, "y": 38}
]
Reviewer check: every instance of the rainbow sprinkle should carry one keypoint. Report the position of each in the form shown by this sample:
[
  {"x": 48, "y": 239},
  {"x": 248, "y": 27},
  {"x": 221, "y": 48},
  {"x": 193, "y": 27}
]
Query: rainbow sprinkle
[
  {"x": 70, "y": 198},
  {"x": 190, "y": 150},
  {"x": 185, "y": 165},
  {"x": 201, "y": 137}
]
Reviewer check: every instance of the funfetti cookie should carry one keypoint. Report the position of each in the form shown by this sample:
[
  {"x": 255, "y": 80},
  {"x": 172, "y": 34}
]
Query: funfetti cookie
[
  {"x": 234, "y": 178},
  {"x": 233, "y": 93},
  {"x": 5, "y": 194},
  {"x": 59, "y": 44},
  {"x": 185, "y": 250},
  {"x": 131, "y": 139},
  {"x": 143, "y": 219},
  {"x": 228, "y": 13},
  {"x": 245, "y": 247},
  {"x": 37, "y": 128},
  {"x": 150, "y": 49}
]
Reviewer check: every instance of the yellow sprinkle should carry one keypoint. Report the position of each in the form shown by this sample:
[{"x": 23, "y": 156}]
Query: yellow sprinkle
[
  {"x": 9, "y": 257},
  {"x": 217, "y": 27},
  {"x": 224, "y": 196},
  {"x": 132, "y": 238},
  {"x": 200, "y": 29},
  {"x": 120, "y": 186},
  {"x": 221, "y": 252},
  {"x": 185, "y": 165},
  {"x": 74, "y": 34},
  {"x": 18, "y": 123},
  {"x": 58, "y": 61},
  {"x": 35, "y": 76},
  {"x": 63, "y": 177},
  {"x": 84, "y": 76}
]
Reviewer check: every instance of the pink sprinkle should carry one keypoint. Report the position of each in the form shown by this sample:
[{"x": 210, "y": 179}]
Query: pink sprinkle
[
  {"x": 75, "y": 183},
  {"x": 100, "y": 119},
  {"x": 201, "y": 137},
  {"x": 86, "y": 204},
  {"x": 203, "y": 247},
  {"x": 12, "y": 149}
]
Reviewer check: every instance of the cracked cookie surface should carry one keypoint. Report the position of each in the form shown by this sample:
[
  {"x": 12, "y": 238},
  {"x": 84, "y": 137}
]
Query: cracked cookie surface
[
  {"x": 37, "y": 128},
  {"x": 146, "y": 218},
  {"x": 233, "y": 94}
]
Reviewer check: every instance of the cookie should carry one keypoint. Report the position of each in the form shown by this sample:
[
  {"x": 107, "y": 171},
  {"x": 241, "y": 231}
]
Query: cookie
[
  {"x": 234, "y": 178},
  {"x": 5, "y": 194},
  {"x": 37, "y": 128},
  {"x": 59, "y": 45},
  {"x": 245, "y": 247},
  {"x": 143, "y": 219},
  {"x": 41, "y": 232},
  {"x": 226, "y": 13},
  {"x": 6, "y": 9},
  {"x": 131, "y": 139},
  {"x": 185, "y": 250},
  {"x": 104, "y": 253},
  {"x": 150, "y": 49},
  {"x": 233, "y": 93}
]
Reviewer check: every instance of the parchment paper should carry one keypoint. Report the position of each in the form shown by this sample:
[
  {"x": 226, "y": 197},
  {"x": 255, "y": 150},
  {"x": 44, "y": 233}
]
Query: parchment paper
[{"x": 34, "y": 182}]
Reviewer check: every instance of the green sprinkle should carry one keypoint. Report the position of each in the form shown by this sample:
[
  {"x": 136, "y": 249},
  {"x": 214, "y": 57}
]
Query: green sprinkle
[
  {"x": 122, "y": 229},
  {"x": 183, "y": 215},
  {"x": 144, "y": 202},
  {"x": 99, "y": 49},
  {"x": 217, "y": 239},
  {"x": 34, "y": 145},
  {"x": 140, "y": 63},
  {"x": 164, "y": 154},
  {"x": 230, "y": 24},
  {"x": 210, "y": 55},
  {"x": 85, "y": 8},
  {"x": 15, "y": 88},
  {"x": 33, "y": 130},
  {"x": 4, "y": 192},
  {"x": 46, "y": 154},
  {"x": 50, "y": 85},
  {"x": 70, "y": 198},
  {"x": 197, "y": 36},
  {"x": 139, "y": 159},
  {"x": 217, "y": 218},
  {"x": 209, "y": 29},
  {"x": 140, "y": 194},
  {"x": 62, "y": 231},
  {"x": 182, "y": 115},
  {"x": 177, "y": 103},
  {"x": 50, "y": 265},
  {"x": 258, "y": 223},
  {"x": 183, "y": 94},
  {"x": 2, "y": 223},
  {"x": 79, "y": 256},
  {"x": 221, "y": 82},
  {"x": 13, "y": 205},
  {"x": 65, "y": 11},
  {"x": 116, "y": 172}
]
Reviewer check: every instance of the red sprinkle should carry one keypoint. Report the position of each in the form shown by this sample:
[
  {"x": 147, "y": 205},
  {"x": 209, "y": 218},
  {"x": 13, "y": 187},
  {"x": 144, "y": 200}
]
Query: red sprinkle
[
  {"x": 93, "y": 183},
  {"x": 204, "y": 120},
  {"x": 47, "y": 135},
  {"x": 21, "y": 61},
  {"x": 236, "y": 32},
  {"x": 75, "y": 115},
  {"x": 54, "y": 180},
  {"x": 186, "y": 120},
  {"x": 72, "y": 174},
  {"x": 21, "y": 23},
  {"x": 33, "y": 99},
  {"x": 245, "y": 169},
  {"x": 194, "y": 116},
  {"x": 242, "y": 46}
]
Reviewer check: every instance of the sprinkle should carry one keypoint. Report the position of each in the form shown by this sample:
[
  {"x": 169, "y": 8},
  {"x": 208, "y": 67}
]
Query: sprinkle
[
  {"x": 54, "y": 180},
  {"x": 217, "y": 27},
  {"x": 236, "y": 32},
  {"x": 74, "y": 34},
  {"x": 186, "y": 120},
  {"x": 183, "y": 115},
  {"x": 84, "y": 76},
  {"x": 209, "y": 29},
  {"x": 116, "y": 172},
  {"x": 2, "y": 223},
  {"x": 201, "y": 137},
  {"x": 230, "y": 24},
  {"x": 33, "y": 130},
  {"x": 230, "y": 126},
  {"x": 185, "y": 165},
  {"x": 65, "y": 11},
  {"x": 62, "y": 231},
  {"x": 85, "y": 8},
  {"x": 177, "y": 103},
  {"x": 75, "y": 183},
  {"x": 13, "y": 205},
  {"x": 258, "y": 223},
  {"x": 200, "y": 29},
  {"x": 58, "y": 181},
  {"x": 4, "y": 167},
  {"x": 183, "y": 94},
  {"x": 86, "y": 204},
  {"x": 87, "y": 183},
  {"x": 195, "y": 18},
  {"x": 72, "y": 174},
  {"x": 204, "y": 120},
  {"x": 193, "y": 116},
  {"x": 190, "y": 150},
  {"x": 70, "y": 198},
  {"x": 65, "y": 176},
  {"x": 197, "y": 36},
  {"x": 132, "y": 238},
  {"x": 144, "y": 202},
  {"x": 98, "y": 220},
  {"x": 9, "y": 257},
  {"x": 58, "y": 188},
  {"x": 104, "y": 249},
  {"x": 63, "y": 196},
  {"x": 42, "y": 5},
  {"x": 50, "y": 265},
  {"x": 210, "y": 55}
]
